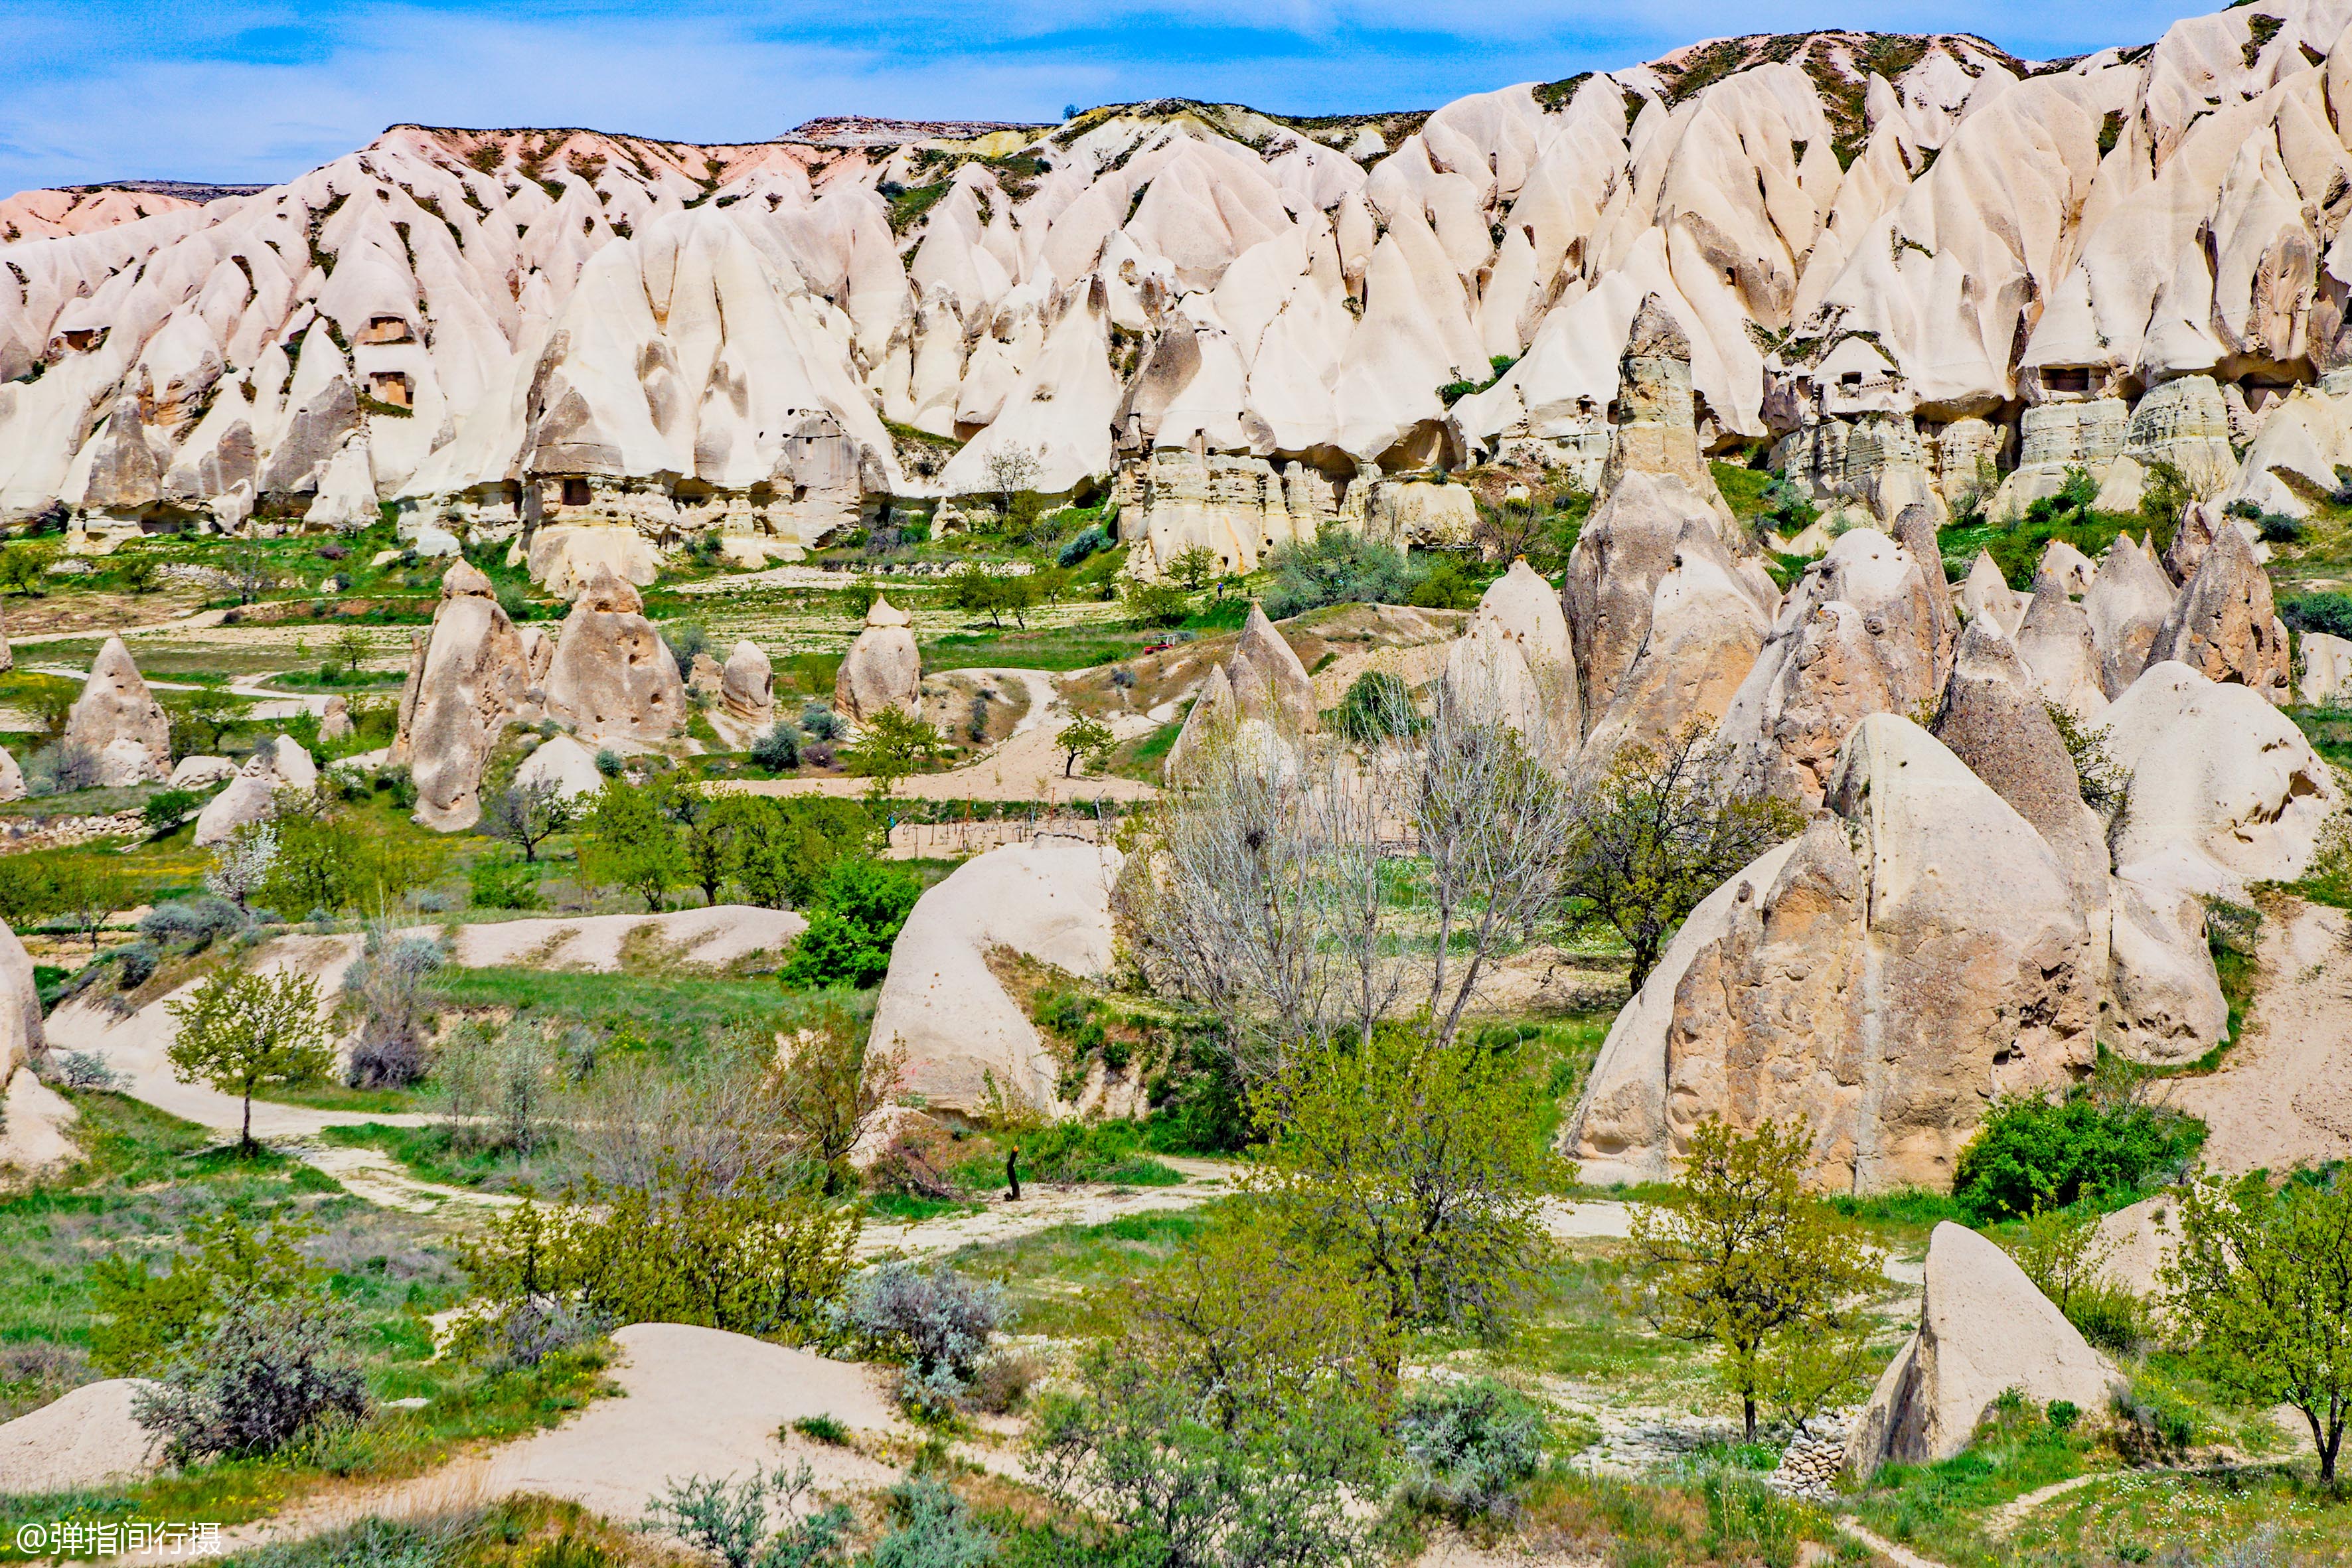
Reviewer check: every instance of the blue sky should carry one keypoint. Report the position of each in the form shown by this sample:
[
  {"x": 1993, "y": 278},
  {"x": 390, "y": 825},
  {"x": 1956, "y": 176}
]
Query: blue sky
[{"x": 262, "y": 89}]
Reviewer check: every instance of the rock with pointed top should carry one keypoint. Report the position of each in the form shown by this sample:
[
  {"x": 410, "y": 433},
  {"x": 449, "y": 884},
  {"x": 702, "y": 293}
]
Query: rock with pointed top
[
  {"x": 705, "y": 678},
  {"x": 2129, "y": 600},
  {"x": 564, "y": 763},
  {"x": 613, "y": 678},
  {"x": 1985, "y": 591},
  {"x": 118, "y": 720},
  {"x": 1212, "y": 718},
  {"x": 2224, "y": 625},
  {"x": 1657, "y": 426},
  {"x": 2054, "y": 639},
  {"x": 2070, "y": 568},
  {"x": 468, "y": 680},
  {"x": 1983, "y": 1331},
  {"x": 1915, "y": 527},
  {"x": 1516, "y": 656},
  {"x": 883, "y": 668},
  {"x": 335, "y": 723},
  {"x": 12, "y": 778},
  {"x": 747, "y": 687},
  {"x": 1269, "y": 683}
]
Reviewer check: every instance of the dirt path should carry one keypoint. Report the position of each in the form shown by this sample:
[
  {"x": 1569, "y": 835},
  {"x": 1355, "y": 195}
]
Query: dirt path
[
  {"x": 2283, "y": 1095},
  {"x": 1044, "y": 1208},
  {"x": 1901, "y": 1556},
  {"x": 194, "y": 621}
]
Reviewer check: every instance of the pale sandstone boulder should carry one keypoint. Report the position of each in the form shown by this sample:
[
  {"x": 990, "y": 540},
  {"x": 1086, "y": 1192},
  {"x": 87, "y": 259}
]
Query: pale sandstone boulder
[
  {"x": 2054, "y": 639},
  {"x": 2068, "y": 566},
  {"x": 613, "y": 678},
  {"x": 2139, "y": 1241},
  {"x": 1858, "y": 635},
  {"x": 968, "y": 1047},
  {"x": 21, "y": 1037},
  {"x": 705, "y": 679},
  {"x": 1212, "y": 718},
  {"x": 250, "y": 798},
  {"x": 1517, "y": 655},
  {"x": 2219, "y": 774},
  {"x": 1983, "y": 1330},
  {"x": 1985, "y": 591},
  {"x": 1627, "y": 546},
  {"x": 747, "y": 687},
  {"x": 467, "y": 679},
  {"x": 2129, "y": 600},
  {"x": 567, "y": 557},
  {"x": 1657, "y": 428},
  {"x": 195, "y": 773},
  {"x": 2164, "y": 1003},
  {"x": 1706, "y": 626},
  {"x": 86, "y": 1437},
  {"x": 2327, "y": 663},
  {"x": 564, "y": 762},
  {"x": 335, "y": 723},
  {"x": 292, "y": 761},
  {"x": 1915, "y": 527},
  {"x": 7, "y": 654},
  {"x": 1269, "y": 683},
  {"x": 2224, "y": 625},
  {"x": 883, "y": 668},
  {"x": 12, "y": 778},
  {"x": 1917, "y": 949},
  {"x": 118, "y": 719}
]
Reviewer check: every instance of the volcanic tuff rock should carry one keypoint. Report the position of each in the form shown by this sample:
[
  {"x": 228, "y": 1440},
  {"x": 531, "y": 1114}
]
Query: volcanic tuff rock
[
  {"x": 467, "y": 679},
  {"x": 613, "y": 678},
  {"x": 564, "y": 763},
  {"x": 883, "y": 667},
  {"x": 2327, "y": 661},
  {"x": 1515, "y": 654},
  {"x": 560, "y": 331},
  {"x": 704, "y": 679},
  {"x": 12, "y": 777},
  {"x": 747, "y": 686},
  {"x": 1858, "y": 634},
  {"x": 2224, "y": 625},
  {"x": 118, "y": 720},
  {"x": 2055, "y": 640},
  {"x": 1980, "y": 979},
  {"x": 1983, "y": 1330},
  {"x": 20, "y": 1006},
  {"x": 1260, "y": 694},
  {"x": 1986, "y": 592},
  {"x": 252, "y": 795},
  {"x": 965, "y": 1041},
  {"x": 2127, "y": 602}
]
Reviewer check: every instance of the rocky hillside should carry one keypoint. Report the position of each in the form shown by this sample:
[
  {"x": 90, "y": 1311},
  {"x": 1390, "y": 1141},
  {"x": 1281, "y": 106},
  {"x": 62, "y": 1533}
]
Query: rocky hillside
[{"x": 1898, "y": 255}]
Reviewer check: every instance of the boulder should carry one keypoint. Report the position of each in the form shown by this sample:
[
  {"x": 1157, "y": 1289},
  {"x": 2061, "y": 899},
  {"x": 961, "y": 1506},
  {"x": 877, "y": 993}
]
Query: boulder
[
  {"x": 195, "y": 773},
  {"x": 1858, "y": 634},
  {"x": 467, "y": 681},
  {"x": 2054, "y": 638},
  {"x": 969, "y": 1049},
  {"x": 21, "y": 1039},
  {"x": 1516, "y": 657},
  {"x": 335, "y": 723},
  {"x": 1985, "y": 591},
  {"x": 2129, "y": 600},
  {"x": 292, "y": 765},
  {"x": 2164, "y": 1003},
  {"x": 7, "y": 654},
  {"x": 1212, "y": 716},
  {"x": 567, "y": 557},
  {"x": 747, "y": 687},
  {"x": 2139, "y": 1241},
  {"x": 118, "y": 720},
  {"x": 2326, "y": 664},
  {"x": 613, "y": 678},
  {"x": 883, "y": 668},
  {"x": 1983, "y": 1330},
  {"x": 1918, "y": 948},
  {"x": 251, "y": 796},
  {"x": 1269, "y": 683},
  {"x": 564, "y": 762},
  {"x": 1915, "y": 527},
  {"x": 2224, "y": 625},
  {"x": 87, "y": 1437},
  {"x": 1705, "y": 627},
  {"x": 2217, "y": 774},
  {"x": 1626, "y": 546},
  {"x": 1423, "y": 516},
  {"x": 705, "y": 679},
  {"x": 2067, "y": 566},
  {"x": 12, "y": 778}
]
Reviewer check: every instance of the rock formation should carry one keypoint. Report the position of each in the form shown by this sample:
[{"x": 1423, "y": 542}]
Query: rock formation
[
  {"x": 20, "y": 1006},
  {"x": 196, "y": 771},
  {"x": 1260, "y": 697},
  {"x": 2127, "y": 602},
  {"x": 564, "y": 762},
  {"x": 1657, "y": 426},
  {"x": 2056, "y": 641},
  {"x": 1983, "y": 1330},
  {"x": 969, "y": 1047},
  {"x": 747, "y": 687},
  {"x": 1858, "y": 634},
  {"x": 2327, "y": 661},
  {"x": 467, "y": 679},
  {"x": 1516, "y": 656},
  {"x": 335, "y": 720},
  {"x": 12, "y": 777},
  {"x": 117, "y": 720},
  {"x": 2224, "y": 625},
  {"x": 613, "y": 678},
  {"x": 883, "y": 667},
  {"x": 250, "y": 798},
  {"x": 1916, "y": 949},
  {"x": 705, "y": 678},
  {"x": 1986, "y": 592}
]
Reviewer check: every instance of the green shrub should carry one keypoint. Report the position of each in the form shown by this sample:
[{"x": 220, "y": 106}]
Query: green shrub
[
  {"x": 1445, "y": 584},
  {"x": 167, "y": 808},
  {"x": 859, "y": 907},
  {"x": 1377, "y": 706},
  {"x": 1338, "y": 566},
  {"x": 2032, "y": 1152},
  {"x": 2329, "y": 613},
  {"x": 502, "y": 880},
  {"x": 1467, "y": 1446}
]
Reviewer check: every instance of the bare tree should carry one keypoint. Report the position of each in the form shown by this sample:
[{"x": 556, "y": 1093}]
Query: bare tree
[
  {"x": 1300, "y": 890},
  {"x": 1011, "y": 469}
]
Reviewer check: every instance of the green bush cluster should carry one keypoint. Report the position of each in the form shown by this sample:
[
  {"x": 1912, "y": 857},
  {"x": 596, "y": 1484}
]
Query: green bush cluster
[
  {"x": 2033, "y": 1152},
  {"x": 854, "y": 912}
]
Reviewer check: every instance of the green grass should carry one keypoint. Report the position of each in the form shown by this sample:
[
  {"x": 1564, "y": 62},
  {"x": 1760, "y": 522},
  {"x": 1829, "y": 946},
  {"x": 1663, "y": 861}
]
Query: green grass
[
  {"x": 1039, "y": 647},
  {"x": 641, "y": 1012},
  {"x": 343, "y": 1096},
  {"x": 433, "y": 1154},
  {"x": 1061, "y": 1281}
]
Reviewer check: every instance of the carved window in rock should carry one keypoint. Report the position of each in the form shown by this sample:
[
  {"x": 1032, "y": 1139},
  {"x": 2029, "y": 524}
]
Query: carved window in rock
[
  {"x": 386, "y": 330},
  {"x": 390, "y": 386},
  {"x": 83, "y": 338},
  {"x": 575, "y": 493},
  {"x": 2067, "y": 378}
]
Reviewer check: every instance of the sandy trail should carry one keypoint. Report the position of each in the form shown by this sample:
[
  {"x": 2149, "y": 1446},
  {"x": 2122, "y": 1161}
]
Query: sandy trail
[
  {"x": 195, "y": 621},
  {"x": 2283, "y": 1095}
]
